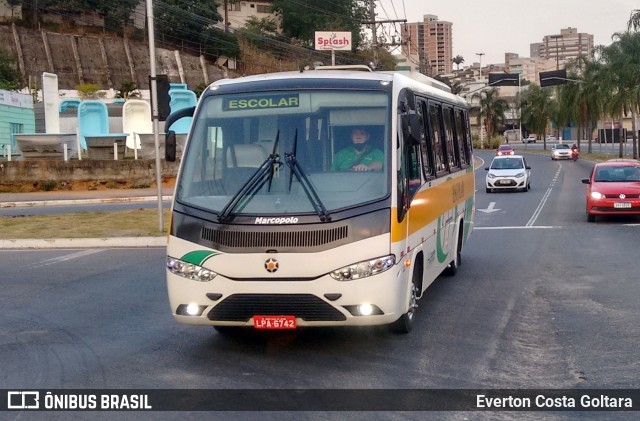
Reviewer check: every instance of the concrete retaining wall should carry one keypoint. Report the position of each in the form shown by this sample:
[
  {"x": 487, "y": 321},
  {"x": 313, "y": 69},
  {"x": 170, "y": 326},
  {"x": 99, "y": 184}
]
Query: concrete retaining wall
[
  {"x": 130, "y": 172},
  {"x": 105, "y": 61}
]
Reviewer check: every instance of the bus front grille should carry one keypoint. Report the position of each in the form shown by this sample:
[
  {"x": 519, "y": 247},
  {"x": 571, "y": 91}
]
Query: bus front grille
[
  {"x": 274, "y": 239},
  {"x": 241, "y": 307}
]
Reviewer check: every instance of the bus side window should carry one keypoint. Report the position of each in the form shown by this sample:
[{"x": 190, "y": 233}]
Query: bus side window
[
  {"x": 425, "y": 146},
  {"x": 461, "y": 135},
  {"x": 435, "y": 137},
  {"x": 453, "y": 158}
]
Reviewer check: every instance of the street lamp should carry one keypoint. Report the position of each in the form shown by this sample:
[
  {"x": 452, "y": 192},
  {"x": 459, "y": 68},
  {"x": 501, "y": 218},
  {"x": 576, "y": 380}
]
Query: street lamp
[
  {"x": 480, "y": 77},
  {"x": 480, "y": 65},
  {"x": 520, "y": 107}
]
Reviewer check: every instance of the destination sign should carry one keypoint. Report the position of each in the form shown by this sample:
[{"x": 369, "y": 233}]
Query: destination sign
[{"x": 240, "y": 103}]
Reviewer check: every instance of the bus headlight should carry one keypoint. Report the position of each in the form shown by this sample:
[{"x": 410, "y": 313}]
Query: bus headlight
[
  {"x": 189, "y": 270},
  {"x": 365, "y": 268}
]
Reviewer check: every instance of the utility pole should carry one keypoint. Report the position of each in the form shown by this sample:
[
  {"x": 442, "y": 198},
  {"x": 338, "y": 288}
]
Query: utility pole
[
  {"x": 226, "y": 15},
  {"x": 374, "y": 27},
  {"x": 372, "y": 17}
]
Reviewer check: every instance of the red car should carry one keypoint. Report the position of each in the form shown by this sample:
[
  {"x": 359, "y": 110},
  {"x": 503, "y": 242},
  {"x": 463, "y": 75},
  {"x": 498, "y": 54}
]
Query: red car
[
  {"x": 613, "y": 189},
  {"x": 505, "y": 150}
]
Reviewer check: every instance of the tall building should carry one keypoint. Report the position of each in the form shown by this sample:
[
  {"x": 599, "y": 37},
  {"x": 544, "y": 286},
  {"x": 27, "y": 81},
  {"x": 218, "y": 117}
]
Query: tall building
[
  {"x": 528, "y": 68},
  {"x": 569, "y": 44},
  {"x": 429, "y": 44}
]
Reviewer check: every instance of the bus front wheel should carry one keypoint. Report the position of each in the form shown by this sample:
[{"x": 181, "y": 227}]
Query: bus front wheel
[{"x": 405, "y": 323}]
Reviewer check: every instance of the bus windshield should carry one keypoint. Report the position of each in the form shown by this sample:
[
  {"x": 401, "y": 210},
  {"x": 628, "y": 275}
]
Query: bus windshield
[{"x": 287, "y": 152}]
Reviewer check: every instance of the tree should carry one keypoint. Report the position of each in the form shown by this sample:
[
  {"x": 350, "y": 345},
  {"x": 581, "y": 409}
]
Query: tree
[
  {"x": 302, "y": 18},
  {"x": 456, "y": 86},
  {"x": 458, "y": 60},
  {"x": 623, "y": 78},
  {"x": 265, "y": 26},
  {"x": 380, "y": 57},
  {"x": 537, "y": 106},
  {"x": 10, "y": 79},
  {"x": 127, "y": 89},
  {"x": 189, "y": 22},
  {"x": 116, "y": 13},
  {"x": 634, "y": 20},
  {"x": 491, "y": 110}
]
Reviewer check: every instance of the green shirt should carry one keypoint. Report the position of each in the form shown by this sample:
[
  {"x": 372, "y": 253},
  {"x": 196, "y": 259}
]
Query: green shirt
[{"x": 347, "y": 158}]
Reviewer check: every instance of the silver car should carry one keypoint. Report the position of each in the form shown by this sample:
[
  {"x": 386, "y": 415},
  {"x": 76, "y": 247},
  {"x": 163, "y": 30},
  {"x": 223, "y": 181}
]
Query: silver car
[
  {"x": 561, "y": 151},
  {"x": 508, "y": 172}
]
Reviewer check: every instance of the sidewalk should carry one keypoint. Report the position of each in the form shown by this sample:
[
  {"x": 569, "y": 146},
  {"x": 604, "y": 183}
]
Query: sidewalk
[{"x": 57, "y": 198}]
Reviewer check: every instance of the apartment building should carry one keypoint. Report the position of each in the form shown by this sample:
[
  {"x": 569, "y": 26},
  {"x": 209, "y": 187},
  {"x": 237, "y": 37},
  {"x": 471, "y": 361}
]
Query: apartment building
[
  {"x": 237, "y": 13},
  {"x": 429, "y": 44},
  {"x": 528, "y": 67},
  {"x": 569, "y": 44}
]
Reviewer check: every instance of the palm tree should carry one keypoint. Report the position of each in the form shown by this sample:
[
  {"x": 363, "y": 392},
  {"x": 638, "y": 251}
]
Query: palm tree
[
  {"x": 458, "y": 60},
  {"x": 491, "y": 110},
  {"x": 622, "y": 60},
  {"x": 584, "y": 101},
  {"x": 634, "y": 20},
  {"x": 128, "y": 89},
  {"x": 537, "y": 107},
  {"x": 457, "y": 87}
]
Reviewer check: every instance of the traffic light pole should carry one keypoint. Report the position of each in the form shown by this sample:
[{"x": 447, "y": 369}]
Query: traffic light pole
[{"x": 154, "y": 110}]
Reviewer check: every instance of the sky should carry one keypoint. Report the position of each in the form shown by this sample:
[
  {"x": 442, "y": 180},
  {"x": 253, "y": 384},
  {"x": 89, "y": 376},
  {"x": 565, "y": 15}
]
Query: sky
[{"x": 495, "y": 27}]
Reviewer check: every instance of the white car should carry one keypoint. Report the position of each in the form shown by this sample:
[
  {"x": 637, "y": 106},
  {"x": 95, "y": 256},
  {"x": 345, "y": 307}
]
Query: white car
[
  {"x": 561, "y": 151},
  {"x": 529, "y": 139},
  {"x": 509, "y": 172}
]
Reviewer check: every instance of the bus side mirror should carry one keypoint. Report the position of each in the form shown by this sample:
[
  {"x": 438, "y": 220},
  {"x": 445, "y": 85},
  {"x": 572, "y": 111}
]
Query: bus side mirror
[
  {"x": 170, "y": 138},
  {"x": 170, "y": 146}
]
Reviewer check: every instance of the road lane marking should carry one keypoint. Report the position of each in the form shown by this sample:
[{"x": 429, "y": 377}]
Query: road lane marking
[
  {"x": 544, "y": 227},
  {"x": 64, "y": 258},
  {"x": 490, "y": 208},
  {"x": 543, "y": 201}
]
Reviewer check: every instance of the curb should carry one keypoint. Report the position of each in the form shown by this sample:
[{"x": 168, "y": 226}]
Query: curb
[
  {"x": 112, "y": 242},
  {"x": 39, "y": 203}
]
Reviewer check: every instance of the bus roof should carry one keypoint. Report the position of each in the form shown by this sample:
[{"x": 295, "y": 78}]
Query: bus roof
[{"x": 411, "y": 79}]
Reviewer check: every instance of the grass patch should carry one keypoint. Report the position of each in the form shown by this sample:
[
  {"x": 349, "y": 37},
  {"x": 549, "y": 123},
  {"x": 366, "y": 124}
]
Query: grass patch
[{"x": 128, "y": 223}]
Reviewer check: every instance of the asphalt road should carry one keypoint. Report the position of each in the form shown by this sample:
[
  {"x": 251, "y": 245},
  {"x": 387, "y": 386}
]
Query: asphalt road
[{"x": 543, "y": 299}]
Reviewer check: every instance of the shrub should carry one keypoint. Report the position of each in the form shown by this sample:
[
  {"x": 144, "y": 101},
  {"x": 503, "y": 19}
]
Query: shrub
[{"x": 87, "y": 90}]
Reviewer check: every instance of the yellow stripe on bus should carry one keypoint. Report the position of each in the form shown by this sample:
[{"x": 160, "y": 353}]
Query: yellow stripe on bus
[{"x": 432, "y": 202}]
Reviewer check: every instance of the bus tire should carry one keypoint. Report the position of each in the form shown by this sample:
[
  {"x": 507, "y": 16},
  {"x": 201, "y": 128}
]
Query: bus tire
[
  {"x": 452, "y": 269},
  {"x": 405, "y": 323}
]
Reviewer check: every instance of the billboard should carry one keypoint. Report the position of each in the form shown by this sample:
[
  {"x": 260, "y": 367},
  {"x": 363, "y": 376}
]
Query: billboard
[{"x": 333, "y": 41}]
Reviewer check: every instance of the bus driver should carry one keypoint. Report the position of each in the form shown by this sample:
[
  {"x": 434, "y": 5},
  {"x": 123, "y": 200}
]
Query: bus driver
[{"x": 359, "y": 156}]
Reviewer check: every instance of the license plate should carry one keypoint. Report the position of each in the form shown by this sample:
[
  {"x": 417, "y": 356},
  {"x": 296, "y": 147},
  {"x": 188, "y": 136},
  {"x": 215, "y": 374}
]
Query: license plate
[
  {"x": 622, "y": 205},
  {"x": 274, "y": 322},
  {"x": 505, "y": 181}
]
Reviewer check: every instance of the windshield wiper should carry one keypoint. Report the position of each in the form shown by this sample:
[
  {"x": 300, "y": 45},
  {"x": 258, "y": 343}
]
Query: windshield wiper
[
  {"x": 263, "y": 174},
  {"x": 301, "y": 175}
]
